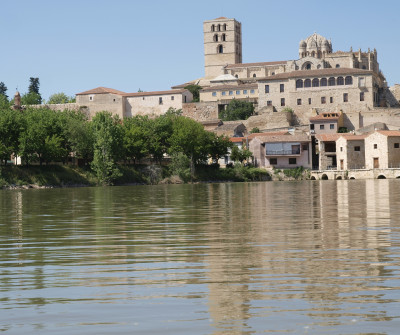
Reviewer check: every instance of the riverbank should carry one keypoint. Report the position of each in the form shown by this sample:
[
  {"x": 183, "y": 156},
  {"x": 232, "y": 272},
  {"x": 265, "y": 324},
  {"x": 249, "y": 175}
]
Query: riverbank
[{"x": 22, "y": 177}]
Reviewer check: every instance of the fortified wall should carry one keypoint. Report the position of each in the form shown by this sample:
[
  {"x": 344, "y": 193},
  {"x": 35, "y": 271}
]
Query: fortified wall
[{"x": 201, "y": 111}]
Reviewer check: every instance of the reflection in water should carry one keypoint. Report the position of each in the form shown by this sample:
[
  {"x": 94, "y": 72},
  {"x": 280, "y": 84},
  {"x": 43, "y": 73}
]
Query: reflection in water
[{"x": 244, "y": 258}]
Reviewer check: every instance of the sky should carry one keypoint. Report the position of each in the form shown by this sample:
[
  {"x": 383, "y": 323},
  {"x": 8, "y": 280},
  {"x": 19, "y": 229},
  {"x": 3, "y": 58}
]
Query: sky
[{"x": 76, "y": 45}]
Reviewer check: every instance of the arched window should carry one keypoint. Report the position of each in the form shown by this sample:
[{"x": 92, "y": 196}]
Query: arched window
[
  {"x": 299, "y": 83},
  {"x": 340, "y": 81},
  {"x": 236, "y": 76},
  {"x": 331, "y": 81},
  {"x": 254, "y": 75},
  {"x": 212, "y": 28},
  {"x": 307, "y": 83},
  {"x": 337, "y": 66},
  {"x": 219, "y": 27},
  {"x": 224, "y": 27},
  {"x": 220, "y": 49},
  {"x": 324, "y": 82},
  {"x": 313, "y": 54},
  {"x": 319, "y": 54},
  {"x": 308, "y": 66},
  {"x": 223, "y": 38},
  {"x": 348, "y": 80},
  {"x": 315, "y": 82},
  {"x": 216, "y": 38}
]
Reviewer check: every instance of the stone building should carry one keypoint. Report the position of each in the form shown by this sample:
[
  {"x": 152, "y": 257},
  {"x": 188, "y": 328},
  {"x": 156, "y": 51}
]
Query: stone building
[
  {"x": 350, "y": 152},
  {"x": 382, "y": 149},
  {"x": 130, "y": 104},
  {"x": 326, "y": 123}
]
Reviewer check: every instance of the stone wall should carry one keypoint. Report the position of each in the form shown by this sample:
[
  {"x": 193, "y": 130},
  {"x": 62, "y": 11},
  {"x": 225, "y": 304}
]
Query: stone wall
[
  {"x": 267, "y": 118},
  {"x": 201, "y": 111}
]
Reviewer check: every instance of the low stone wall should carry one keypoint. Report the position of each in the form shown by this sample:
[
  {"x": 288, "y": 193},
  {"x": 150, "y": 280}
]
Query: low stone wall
[
  {"x": 356, "y": 174},
  {"x": 201, "y": 111}
]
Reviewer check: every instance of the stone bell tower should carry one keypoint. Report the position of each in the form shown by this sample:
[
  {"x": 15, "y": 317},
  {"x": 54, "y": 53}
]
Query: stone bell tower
[{"x": 222, "y": 45}]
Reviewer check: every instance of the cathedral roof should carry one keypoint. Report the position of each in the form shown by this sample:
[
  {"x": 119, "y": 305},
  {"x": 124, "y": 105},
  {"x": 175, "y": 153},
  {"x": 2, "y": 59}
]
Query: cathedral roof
[{"x": 316, "y": 41}]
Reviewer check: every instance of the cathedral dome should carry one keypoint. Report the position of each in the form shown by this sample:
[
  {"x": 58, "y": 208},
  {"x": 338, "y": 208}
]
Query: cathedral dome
[
  {"x": 316, "y": 41},
  {"x": 303, "y": 44},
  {"x": 315, "y": 46}
]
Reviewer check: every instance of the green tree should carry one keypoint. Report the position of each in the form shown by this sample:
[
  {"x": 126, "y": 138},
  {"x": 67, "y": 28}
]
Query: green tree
[
  {"x": 136, "y": 137},
  {"x": 3, "y": 89},
  {"x": 237, "y": 110},
  {"x": 60, "y": 98},
  {"x": 31, "y": 98},
  {"x": 195, "y": 90},
  {"x": 107, "y": 141},
  {"x": 218, "y": 146},
  {"x": 4, "y": 103},
  {"x": 34, "y": 88},
  {"x": 10, "y": 128},
  {"x": 255, "y": 130},
  {"x": 240, "y": 155}
]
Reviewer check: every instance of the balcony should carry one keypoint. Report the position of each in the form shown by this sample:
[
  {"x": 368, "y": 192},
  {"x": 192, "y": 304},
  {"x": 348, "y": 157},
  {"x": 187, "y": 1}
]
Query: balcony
[{"x": 283, "y": 152}]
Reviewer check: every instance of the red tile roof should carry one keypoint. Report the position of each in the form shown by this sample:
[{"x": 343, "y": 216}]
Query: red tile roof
[
  {"x": 237, "y": 139},
  {"x": 328, "y": 137},
  {"x": 315, "y": 73},
  {"x": 221, "y": 18},
  {"x": 101, "y": 90},
  {"x": 284, "y": 138},
  {"x": 325, "y": 116},
  {"x": 272, "y": 133},
  {"x": 231, "y": 66},
  {"x": 142, "y": 94},
  {"x": 389, "y": 132},
  {"x": 351, "y": 137}
]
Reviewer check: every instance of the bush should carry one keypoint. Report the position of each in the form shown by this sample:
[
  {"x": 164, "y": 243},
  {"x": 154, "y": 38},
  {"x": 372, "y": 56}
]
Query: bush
[
  {"x": 296, "y": 173},
  {"x": 180, "y": 166}
]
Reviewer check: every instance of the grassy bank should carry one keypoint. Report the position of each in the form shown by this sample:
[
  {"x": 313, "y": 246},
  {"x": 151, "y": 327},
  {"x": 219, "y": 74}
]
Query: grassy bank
[{"x": 67, "y": 176}]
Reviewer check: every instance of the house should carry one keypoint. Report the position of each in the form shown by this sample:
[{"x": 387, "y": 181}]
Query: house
[
  {"x": 382, "y": 149},
  {"x": 350, "y": 152},
  {"x": 326, "y": 123},
  {"x": 289, "y": 150},
  {"x": 326, "y": 151}
]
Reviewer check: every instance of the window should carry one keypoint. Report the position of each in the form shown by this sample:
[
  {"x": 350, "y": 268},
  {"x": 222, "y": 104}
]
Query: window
[
  {"x": 341, "y": 148},
  {"x": 144, "y": 98},
  {"x": 230, "y": 92},
  {"x": 282, "y": 88},
  {"x": 330, "y": 99},
  {"x": 396, "y": 145},
  {"x": 114, "y": 100},
  {"x": 309, "y": 101},
  {"x": 315, "y": 82},
  {"x": 251, "y": 91},
  {"x": 361, "y": 82},
  {"x": 348, "y": 80},
  {"x": 345, "y": 97},
  {"x": 304, "y": 147},
  {"x": 364, "y": 67},
  {"x": 283, "y": 102},
  {"x": 236, "y": 76},
  {"x": 254, "y": 75},
  {"x": 312, "y": 126},
  {"x": 340, "y": 81},
  {"x": 307, "y": 83},
  {"x": 323, "y": 100},
  {"x": 292, "y": 160},
  {"x": 321, "y": 126},
  {"x": 269, "y": 102},
  {"x": 172, "y": 98},
  {"x": 357, "y": 148},
  {"x": 324, "y": 82},
  {"x": 308, "y": 66},
  {"x": 212, "y": 28},
  {"x": 244, "y": 91},
  {"x": 220, "y": 49},
  {"x": 337, "y": 66},
  {"x": 214, "y": 94},
  {"x": 223, "y": 38},
  {"x": 361, "y": 96},
  {"x": 160, "y": 101},
  {"x": 223, "y": 93},
  {"x": 219, "y": 27},
  {"x": 266, "y": 88},
  {"x": 216, "y": 38},
  {"x": 273, "y": 161},
  {"x": 375, "y": 146},
  {"x": 331, "y": 126},
  {"x": 91, "y": 97},
  {"x": 224, "y": 27},
  {"x": 299, "y": 101},
  {"x": 237, "y": 92},
  {"x": 273, "y": 74},
  {"x": 331, "y": 81},
  {"x": 299, "y": 83}
]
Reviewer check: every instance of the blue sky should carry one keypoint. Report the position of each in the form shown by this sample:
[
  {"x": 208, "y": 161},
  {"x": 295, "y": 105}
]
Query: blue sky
[{"x": 73, "y": 46}]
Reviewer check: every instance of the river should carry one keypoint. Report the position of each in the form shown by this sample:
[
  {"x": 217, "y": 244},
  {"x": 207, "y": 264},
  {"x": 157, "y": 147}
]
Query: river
[{"x": 307, "y": 257}]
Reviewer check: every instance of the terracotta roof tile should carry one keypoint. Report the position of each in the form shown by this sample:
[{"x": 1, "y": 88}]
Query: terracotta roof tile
[
  {"x": 221, "y": 18},
  {"x": 389, "y": 132},
  {"x": 237, "y": 139},
  {"x": 272, "y": 133},
  {"x": 315, "y": 73},
  {"x": 284, "y": 138},
  {"x": 142, "y": 94},
  {"x": 351, "y": 137},
  {"x": 101, "y": 90},
  {"x": 231, "y": 66},
  {"x": 328, "y": 137}
]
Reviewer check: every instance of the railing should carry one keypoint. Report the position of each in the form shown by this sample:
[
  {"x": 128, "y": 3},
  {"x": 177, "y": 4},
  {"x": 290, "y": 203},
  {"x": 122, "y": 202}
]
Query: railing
[{"x": 282, "y": 152}]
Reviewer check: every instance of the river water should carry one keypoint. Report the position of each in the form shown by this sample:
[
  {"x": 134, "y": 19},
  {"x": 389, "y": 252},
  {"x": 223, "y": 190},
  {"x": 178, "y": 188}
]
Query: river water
[{"x": 309, "y": 257}]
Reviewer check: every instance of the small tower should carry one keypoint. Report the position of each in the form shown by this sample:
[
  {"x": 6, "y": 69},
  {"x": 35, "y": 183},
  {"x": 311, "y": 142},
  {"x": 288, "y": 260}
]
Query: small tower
[
  {"x": 17, "y": 100},
  {"x": 222, "y": 45}
]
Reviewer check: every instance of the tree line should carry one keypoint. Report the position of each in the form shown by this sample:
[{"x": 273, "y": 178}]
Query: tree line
[{"x": 45, "y": 136}]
